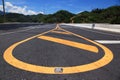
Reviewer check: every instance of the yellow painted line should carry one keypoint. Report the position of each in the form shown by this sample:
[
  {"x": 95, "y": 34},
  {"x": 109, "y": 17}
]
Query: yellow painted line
[
  {"x": 71, "y": 43},
  {"x": 58, "y": 27},
  {"x": 59, "y": 32},
  {"x": 9, "y": 58}
]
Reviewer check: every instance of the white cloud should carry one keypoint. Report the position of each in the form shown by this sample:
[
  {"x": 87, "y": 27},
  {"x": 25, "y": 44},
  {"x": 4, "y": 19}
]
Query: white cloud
[
  {"x": 8, "y": 4},
  {"x": 1, "y": 7},
  {"x": 18, "y": 9}
]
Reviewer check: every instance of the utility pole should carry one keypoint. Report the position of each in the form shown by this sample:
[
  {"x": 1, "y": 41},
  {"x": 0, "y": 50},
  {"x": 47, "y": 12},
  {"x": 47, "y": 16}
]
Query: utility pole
[{"x": 3, "y": 10}]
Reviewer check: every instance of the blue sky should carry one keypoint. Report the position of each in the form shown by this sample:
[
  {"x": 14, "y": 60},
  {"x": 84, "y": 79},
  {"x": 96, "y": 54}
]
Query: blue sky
[{"x": 51, "y": 6}]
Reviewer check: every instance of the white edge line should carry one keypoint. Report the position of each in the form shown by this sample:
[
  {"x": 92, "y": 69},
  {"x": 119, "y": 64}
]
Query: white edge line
[
  {"x": 108, "y": 41},
  {"x": 98, "y": 31},
  {"x": 16, "y": 31}
]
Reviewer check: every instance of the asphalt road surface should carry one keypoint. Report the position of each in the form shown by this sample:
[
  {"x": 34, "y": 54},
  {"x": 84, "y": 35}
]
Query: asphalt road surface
[{"x": 57, "y": 52}]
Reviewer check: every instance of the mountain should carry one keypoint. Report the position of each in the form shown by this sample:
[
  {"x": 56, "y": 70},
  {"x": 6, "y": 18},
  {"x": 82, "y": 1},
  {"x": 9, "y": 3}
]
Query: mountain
[
  {"x": 63, "y": 16},
  {"x": 58, "y": 17},
  {"x": 108, "y": 15}
]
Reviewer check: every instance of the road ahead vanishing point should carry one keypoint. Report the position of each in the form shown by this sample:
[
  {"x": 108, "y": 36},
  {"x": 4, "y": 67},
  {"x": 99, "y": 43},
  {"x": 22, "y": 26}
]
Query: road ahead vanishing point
[{"x": 50, "y": 52}]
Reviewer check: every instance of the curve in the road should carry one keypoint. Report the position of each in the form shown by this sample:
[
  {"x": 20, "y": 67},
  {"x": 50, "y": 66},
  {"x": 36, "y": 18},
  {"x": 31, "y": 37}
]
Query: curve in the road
[{"x": 9, "y": 58}]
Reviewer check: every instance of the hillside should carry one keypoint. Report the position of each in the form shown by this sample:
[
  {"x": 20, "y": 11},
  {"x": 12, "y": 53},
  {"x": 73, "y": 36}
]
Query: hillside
[
  {"x": 108, "y": 15},
  {"x": 60, "y": 16}
]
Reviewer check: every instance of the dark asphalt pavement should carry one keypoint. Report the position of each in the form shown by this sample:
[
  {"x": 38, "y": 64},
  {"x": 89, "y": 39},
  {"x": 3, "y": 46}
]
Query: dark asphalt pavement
[{"x": 46, "y": 53}]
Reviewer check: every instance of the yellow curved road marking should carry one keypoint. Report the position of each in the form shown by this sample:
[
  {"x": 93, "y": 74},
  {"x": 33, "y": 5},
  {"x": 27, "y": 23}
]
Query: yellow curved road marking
[
  {"x": 9, "y": 58},
  {"x": 71, "y": 43},
  {"x": 61, "y": 32},
  {"x": 57, "y": 27}
]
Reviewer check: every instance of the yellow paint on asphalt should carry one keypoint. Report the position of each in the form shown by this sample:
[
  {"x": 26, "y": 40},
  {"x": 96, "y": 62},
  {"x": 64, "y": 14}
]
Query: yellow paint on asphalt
[
  {"x": 57, "y": 27},
  {"x": 57, "y": 30},
  {"x": 9, "y": 58},
  {"x": 71, "y": 43},
  {"x": 60, "y": 32}
]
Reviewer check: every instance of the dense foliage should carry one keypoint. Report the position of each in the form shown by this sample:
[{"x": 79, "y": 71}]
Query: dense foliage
[
  {"x": 109, "y": 15},
  {"x": 60, "y": 16}
]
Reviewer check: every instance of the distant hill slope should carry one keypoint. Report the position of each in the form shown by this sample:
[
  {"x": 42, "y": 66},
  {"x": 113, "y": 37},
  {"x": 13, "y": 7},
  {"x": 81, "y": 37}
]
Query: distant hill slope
[
  {"x": 108, "y": 15},
  {"x": 59, "y": 16}
]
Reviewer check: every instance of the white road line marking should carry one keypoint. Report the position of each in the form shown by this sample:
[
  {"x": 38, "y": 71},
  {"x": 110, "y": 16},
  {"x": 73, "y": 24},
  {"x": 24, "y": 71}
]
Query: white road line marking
[
  {"x": 98, "y": 31},
  {"x": 16, "y": 31},
  {"x": 108, "y": 41}
]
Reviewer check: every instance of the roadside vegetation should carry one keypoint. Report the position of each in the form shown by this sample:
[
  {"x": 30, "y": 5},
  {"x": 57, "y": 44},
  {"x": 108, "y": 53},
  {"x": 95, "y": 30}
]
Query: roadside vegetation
[{"x": 108, "y": 15}]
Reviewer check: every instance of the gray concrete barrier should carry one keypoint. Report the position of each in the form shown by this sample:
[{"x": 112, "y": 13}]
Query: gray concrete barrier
[{"x": 105, "y": 27}]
